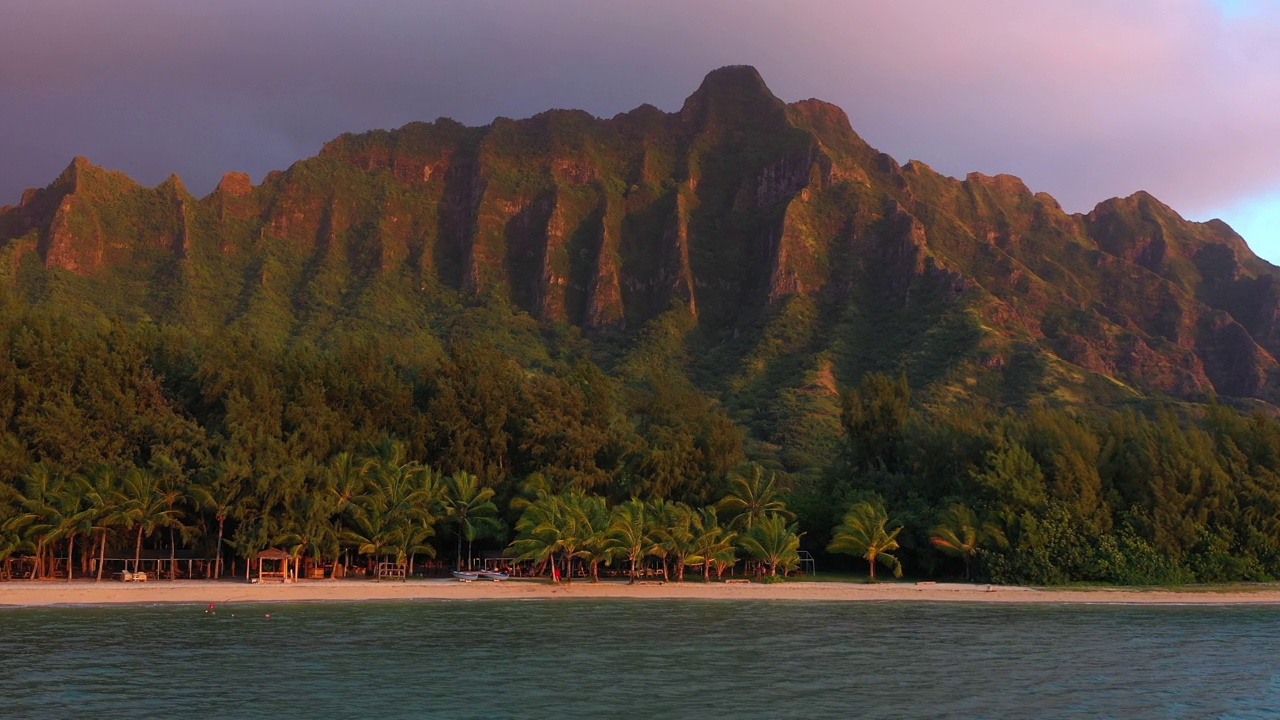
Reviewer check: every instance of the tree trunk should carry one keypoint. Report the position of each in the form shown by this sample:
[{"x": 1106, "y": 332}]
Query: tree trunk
[
  {"x": 632, "y": 581},
  {"x": 706, "y": 571},
  {"x": 36, "y": 571},
  {"x": 173, "y": 553},
  {"x": 595, "y": 571},
  {"x": 871, "y": 558},
  {"x": 458, "y": 554},
  {"x": 217, "y": 552},
  {"x": 137, "y": 549},
  {"x": 102, "y": 554},
  {"x": 71, "y": 547}
]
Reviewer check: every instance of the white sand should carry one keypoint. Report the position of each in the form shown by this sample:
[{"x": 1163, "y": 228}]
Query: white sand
[{"x": 195, "y": 591}]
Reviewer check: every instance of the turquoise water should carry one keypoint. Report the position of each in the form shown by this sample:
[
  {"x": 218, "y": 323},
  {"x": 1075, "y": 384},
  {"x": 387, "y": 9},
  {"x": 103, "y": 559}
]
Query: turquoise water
[{"x": 640, "y": 659}]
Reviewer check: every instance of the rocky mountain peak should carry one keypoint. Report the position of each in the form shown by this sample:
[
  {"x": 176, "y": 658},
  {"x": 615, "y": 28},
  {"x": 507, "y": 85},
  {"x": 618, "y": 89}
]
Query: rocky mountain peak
[
  {"x": 731, "y": 96},
  {"x": 738, "y": 211}
]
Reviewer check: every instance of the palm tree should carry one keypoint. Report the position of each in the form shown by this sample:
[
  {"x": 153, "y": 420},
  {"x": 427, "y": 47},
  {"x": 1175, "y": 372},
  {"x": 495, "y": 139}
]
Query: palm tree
[
  {"x": 864, "y": 533},
  {"x": 712, "y": 542},
  {"x": 74, "y": 519},
  {"x": 958, "y": 533},
  {"x": 37, "y": 512},
  {"x": 630, "y": 533},
  {"x": 399, "y": 511},
  {"x": 217, "y": 491},
  {"x": 171, "y": 479},
  {"x": 565, "y": 525},
  {"x": 307, "y": 527},
  {"x": 675, "y": 531},
  {"x": 595, "y": 540},
  {"x": 535, "y": 487},
  {"x": 752, "y": 495},
  {"x": 346, "y": 478},
  {"x": 470, "y": 506},
  {"x": 659, "y": 511},
  {"x": 148, "y": 507},
  {"x": 772, "y": 541},
  {"x": 537, "y": 538},
  {"x": 99, "y": 485},
  {"x": 11, "y": 543},
  {"x": 420, "y": 499},
  {"x": 373, "y": 529}
]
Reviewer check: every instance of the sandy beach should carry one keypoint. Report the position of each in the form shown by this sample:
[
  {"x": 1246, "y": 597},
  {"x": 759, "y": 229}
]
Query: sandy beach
[{"x": 28, "y": 593}]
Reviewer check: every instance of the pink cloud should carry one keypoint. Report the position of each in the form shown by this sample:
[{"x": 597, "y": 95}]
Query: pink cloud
[{"x": 1084, "y": 99}]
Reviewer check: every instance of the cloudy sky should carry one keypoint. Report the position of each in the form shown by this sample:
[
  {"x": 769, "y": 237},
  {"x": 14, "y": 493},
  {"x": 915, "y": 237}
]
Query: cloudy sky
[{"x": 1084, "y": 99}]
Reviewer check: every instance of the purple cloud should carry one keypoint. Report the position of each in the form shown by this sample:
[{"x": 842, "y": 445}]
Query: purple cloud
[{"x": 1085, "y": 99}]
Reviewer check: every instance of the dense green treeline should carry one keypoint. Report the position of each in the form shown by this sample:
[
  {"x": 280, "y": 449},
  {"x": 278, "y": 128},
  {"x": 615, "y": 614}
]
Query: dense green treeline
[
  {"x": 172, "y": 440},
  {"x": 1047, "y": 496},
  {"x": 244, "y": 438}
]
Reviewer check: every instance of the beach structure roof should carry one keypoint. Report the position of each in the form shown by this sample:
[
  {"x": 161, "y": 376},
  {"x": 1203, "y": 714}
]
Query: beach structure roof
[{"x": 282, "y": 562}]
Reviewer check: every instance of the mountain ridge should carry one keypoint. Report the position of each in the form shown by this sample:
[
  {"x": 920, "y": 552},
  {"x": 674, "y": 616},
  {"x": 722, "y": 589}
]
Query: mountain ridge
[{"x": 754, "y": 218}]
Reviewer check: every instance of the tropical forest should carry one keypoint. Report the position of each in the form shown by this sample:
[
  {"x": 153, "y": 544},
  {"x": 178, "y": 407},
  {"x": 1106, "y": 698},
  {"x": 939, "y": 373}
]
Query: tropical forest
[{"x": 729, "y": 339}]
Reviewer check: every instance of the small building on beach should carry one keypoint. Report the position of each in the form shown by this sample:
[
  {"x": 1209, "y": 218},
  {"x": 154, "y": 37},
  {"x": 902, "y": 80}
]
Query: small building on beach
[{"x": 273, "y": 566}]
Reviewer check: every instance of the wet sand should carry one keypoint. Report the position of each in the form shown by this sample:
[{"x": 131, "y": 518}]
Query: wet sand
[{"x": 36, "y": 593}]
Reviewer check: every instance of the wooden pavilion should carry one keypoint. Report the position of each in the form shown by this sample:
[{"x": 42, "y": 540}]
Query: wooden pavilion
[{"x": 273, "y": 566}]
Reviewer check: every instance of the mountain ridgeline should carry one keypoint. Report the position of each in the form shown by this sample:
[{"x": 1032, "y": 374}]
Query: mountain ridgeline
[{"x": 779, "y": 253}]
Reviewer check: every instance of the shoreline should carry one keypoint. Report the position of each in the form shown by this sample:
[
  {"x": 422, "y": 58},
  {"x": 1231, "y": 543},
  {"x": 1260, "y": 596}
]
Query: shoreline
[{"x": 56, "y": 593}]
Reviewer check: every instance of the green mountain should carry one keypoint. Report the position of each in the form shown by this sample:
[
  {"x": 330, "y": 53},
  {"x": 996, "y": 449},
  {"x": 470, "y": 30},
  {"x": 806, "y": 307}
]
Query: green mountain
[{"x": 761, "y": 250}]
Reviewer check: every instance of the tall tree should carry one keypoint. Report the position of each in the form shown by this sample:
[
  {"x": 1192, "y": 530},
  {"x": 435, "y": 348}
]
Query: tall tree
[
  {"x": 564, "y": 526},
  {"x": 753, "y": 493},
  {"x": 147, "y": 506},
  {"x": 712, "y": 542},
  {"x": 469, "y": 506},
  {"x": 37, "y": 500},
  {"x": 676, "y": 533},
  {"x": 959, "y": 533},
  {"x": 99, "y": 485},
  {"x": 630, "y": 533},
  {"x": 537, "y": 531},
  {"x": 595, "y": 548},
  {"x": 220, "y": 492},
  {"x": 398, "y": 513},
  {"x": 772, "y": 541},
  {"x": 864, "y": 533},
  {"x": 875, "y": 416}
]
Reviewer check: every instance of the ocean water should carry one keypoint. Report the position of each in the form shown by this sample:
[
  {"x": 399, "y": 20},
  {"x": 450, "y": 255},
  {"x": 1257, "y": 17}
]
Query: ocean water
[{"x": 640, "y": 659}]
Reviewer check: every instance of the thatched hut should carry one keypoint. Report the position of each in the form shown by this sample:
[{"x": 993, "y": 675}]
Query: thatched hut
[{"x": 273, "y": 566}]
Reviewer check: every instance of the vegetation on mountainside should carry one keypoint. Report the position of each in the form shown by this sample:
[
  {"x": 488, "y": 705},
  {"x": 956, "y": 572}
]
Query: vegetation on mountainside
[
  {"x": 565, "y": 332},
  {"x": 121, "y": 437}
]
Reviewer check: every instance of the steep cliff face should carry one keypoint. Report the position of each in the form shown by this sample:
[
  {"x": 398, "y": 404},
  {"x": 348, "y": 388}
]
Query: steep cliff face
[{"x": 750, "y": 215}]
